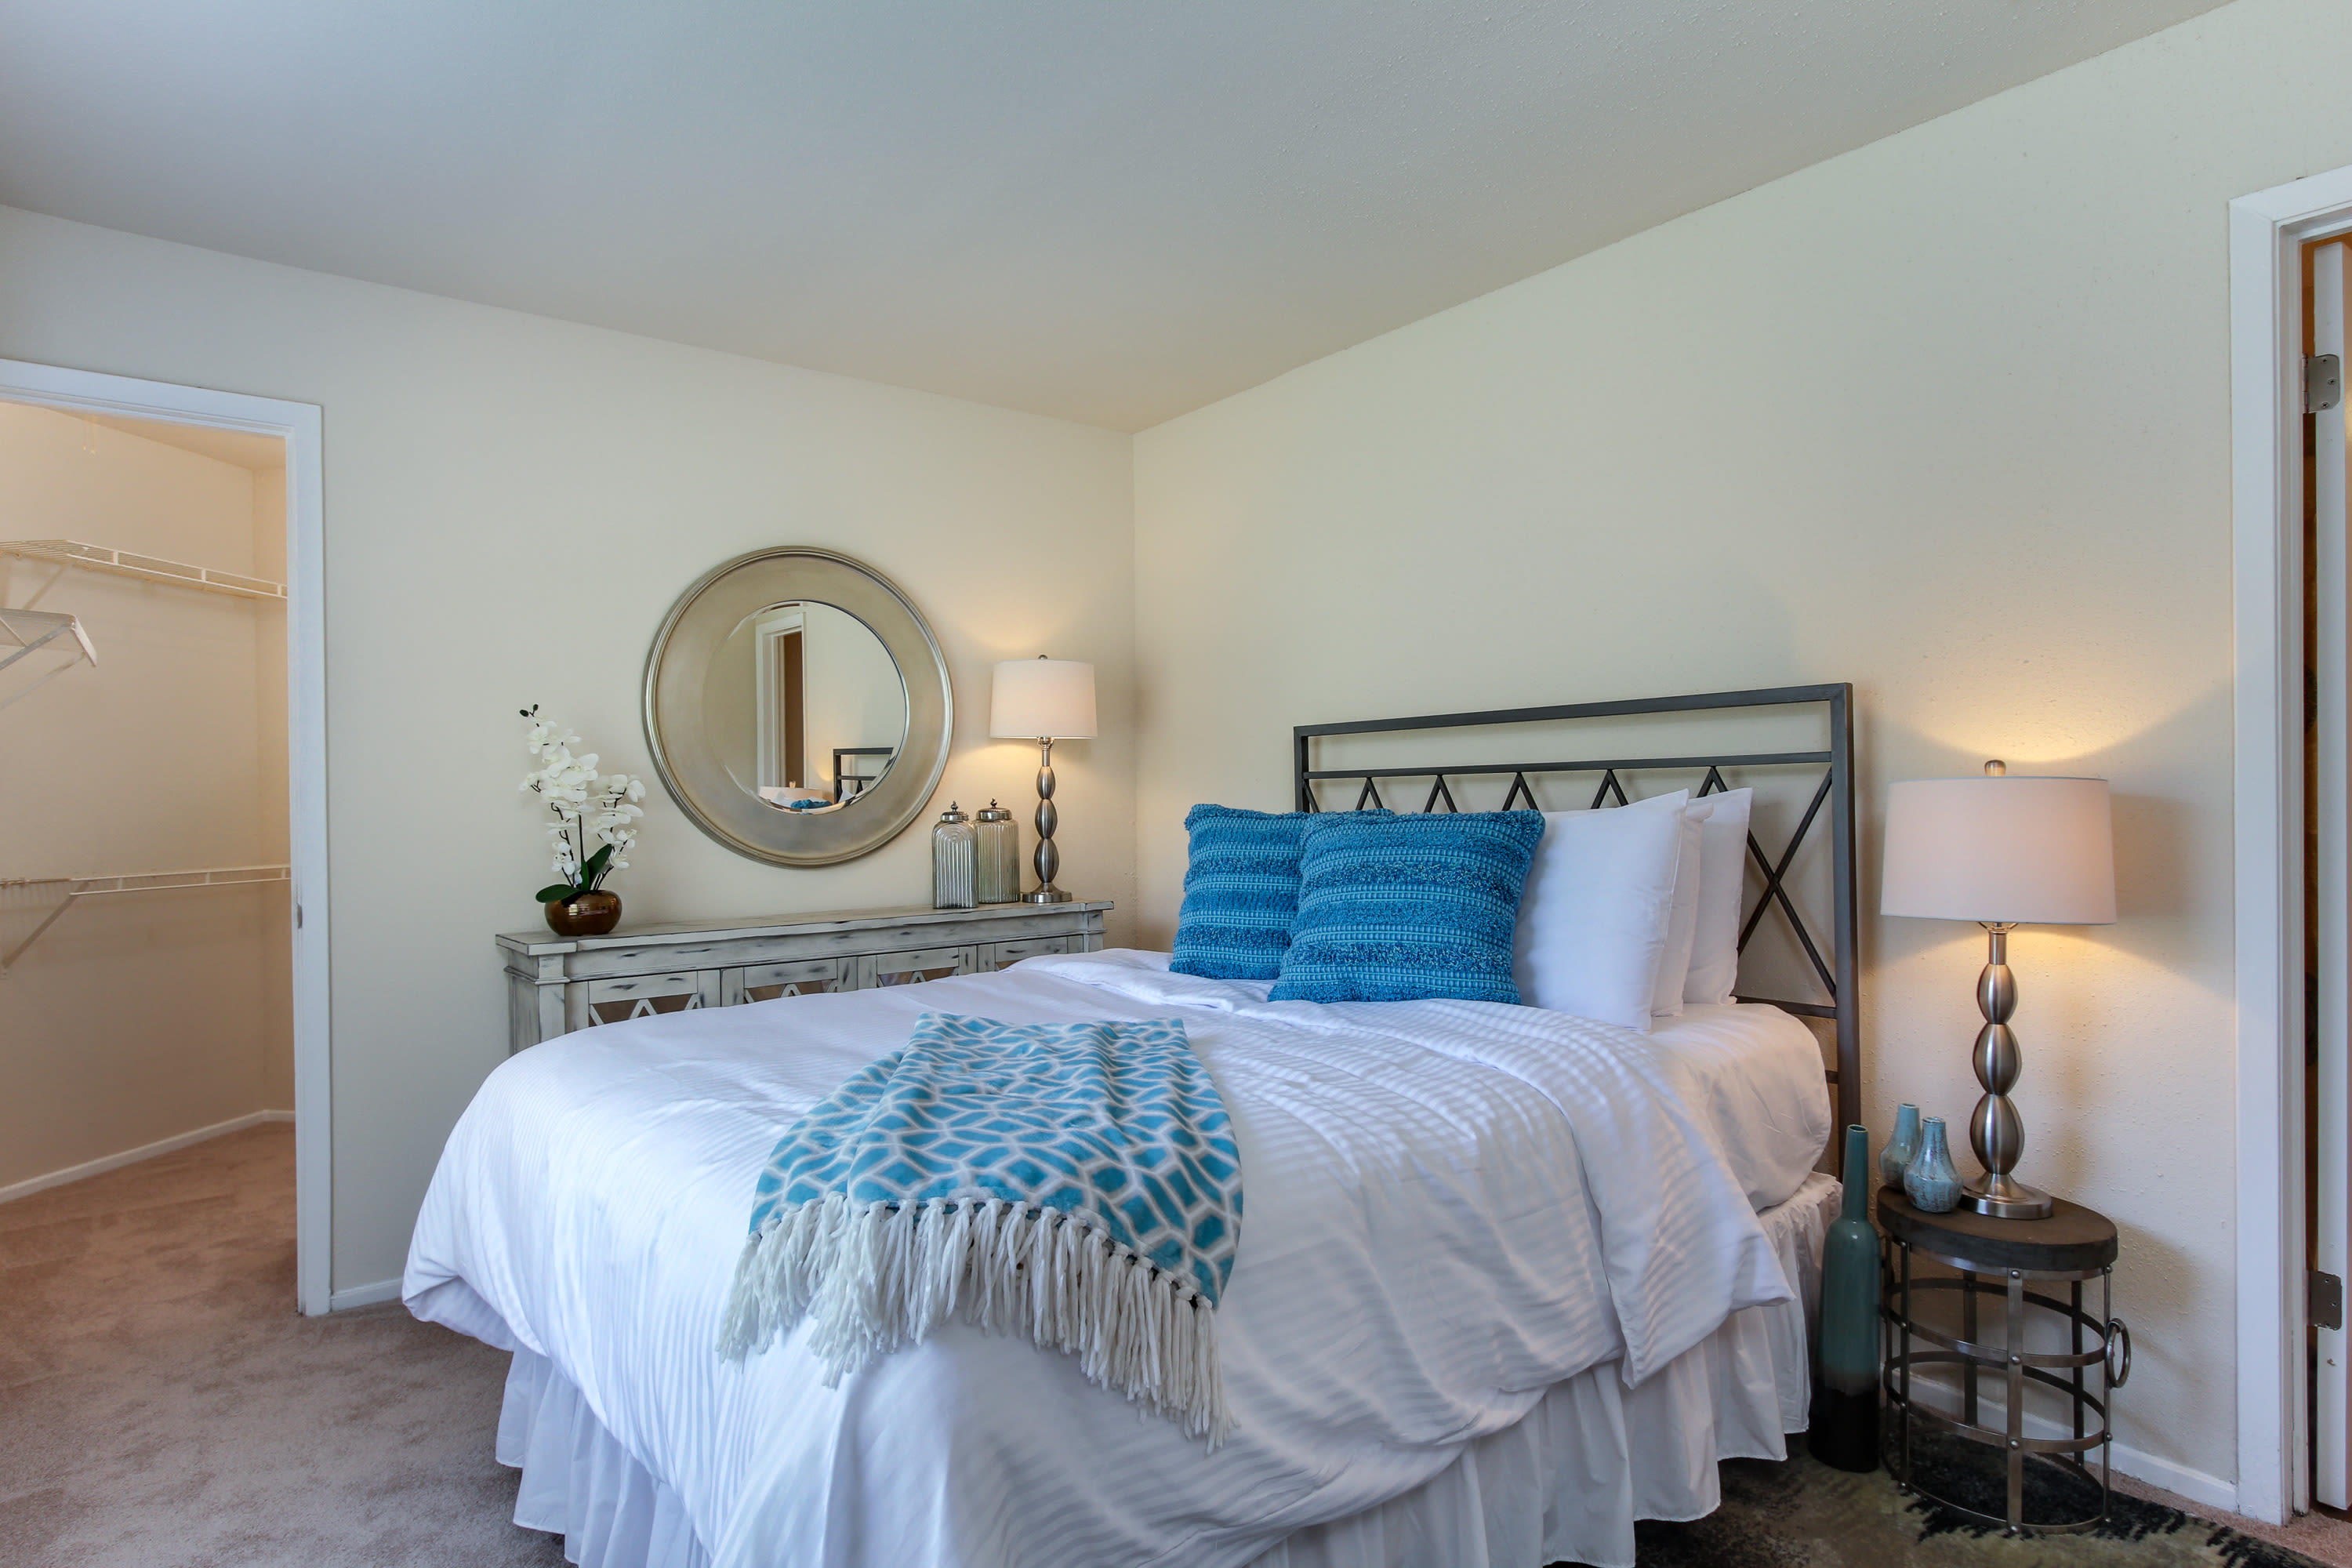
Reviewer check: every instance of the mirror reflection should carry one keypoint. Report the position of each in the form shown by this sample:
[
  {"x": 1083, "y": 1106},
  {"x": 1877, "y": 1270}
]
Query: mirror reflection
[{"x": 804, "y": 707}]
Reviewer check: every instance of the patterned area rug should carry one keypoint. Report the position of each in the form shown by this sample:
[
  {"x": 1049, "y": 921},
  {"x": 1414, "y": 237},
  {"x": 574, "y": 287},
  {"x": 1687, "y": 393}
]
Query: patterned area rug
[{"x": 1802, "y": 1514}]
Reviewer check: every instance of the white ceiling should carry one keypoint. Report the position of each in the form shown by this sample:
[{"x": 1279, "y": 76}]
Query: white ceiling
[{"x": 1101, "y": 209}]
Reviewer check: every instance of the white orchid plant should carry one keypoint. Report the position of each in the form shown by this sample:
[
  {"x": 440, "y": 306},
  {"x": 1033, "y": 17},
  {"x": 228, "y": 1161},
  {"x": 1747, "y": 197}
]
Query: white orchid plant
[{"x": 589, "y": 808}]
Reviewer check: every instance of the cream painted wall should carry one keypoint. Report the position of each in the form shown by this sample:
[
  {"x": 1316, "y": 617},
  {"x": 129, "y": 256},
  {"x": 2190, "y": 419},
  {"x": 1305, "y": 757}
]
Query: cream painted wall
[
  {"x": 1947, "y": 417},
  {"x": 136, "y": 1018},
  {"x": 511, "y": 505}
]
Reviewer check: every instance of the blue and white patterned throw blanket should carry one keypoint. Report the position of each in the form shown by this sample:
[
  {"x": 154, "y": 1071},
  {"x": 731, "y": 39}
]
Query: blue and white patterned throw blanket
[{"x": 1077, "y": 1183}]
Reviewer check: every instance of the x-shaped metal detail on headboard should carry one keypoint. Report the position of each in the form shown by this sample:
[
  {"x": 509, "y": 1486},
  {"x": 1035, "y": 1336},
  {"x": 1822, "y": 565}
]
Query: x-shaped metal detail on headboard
[{"x": 1836, "y": 971}]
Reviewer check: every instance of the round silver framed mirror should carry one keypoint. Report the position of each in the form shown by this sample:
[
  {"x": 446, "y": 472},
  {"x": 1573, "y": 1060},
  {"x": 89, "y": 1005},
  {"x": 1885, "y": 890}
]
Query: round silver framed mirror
[{"x": 797, "y": 707}]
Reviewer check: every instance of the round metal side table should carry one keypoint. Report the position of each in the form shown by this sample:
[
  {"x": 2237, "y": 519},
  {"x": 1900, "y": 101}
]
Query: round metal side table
[{"x": 1998, "y": 1265}]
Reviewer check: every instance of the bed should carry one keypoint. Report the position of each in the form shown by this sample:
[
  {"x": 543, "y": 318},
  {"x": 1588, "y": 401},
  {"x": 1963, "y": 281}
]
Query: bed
[{"x": 1510, "y": 1280}]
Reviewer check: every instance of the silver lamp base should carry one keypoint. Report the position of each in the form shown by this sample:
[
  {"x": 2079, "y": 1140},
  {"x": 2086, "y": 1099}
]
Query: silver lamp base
[
  {"x": 1048, "y": 860},
  {"x": 1995, "y": 1129},
  {"x": 2004, "y": 1197}
]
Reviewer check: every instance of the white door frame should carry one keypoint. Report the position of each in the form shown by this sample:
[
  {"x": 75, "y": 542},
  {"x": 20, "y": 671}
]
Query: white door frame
[
  {"x": 299, "y": 424},
  {"x": 2267, "y": 232}
]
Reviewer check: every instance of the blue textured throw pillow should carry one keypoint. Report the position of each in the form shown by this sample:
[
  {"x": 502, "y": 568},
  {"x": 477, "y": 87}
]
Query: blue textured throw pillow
[
  {"x": 1241, "y": 891},
  {"x": 1409, "y": 908}
]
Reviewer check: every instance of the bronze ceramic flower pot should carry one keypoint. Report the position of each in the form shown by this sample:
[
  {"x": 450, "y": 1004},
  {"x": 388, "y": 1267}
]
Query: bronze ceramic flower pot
[{"x": 589, "y": 914}]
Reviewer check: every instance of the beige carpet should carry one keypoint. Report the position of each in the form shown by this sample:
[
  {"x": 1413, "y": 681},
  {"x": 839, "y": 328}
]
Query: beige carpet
[{"x": 162, "y": 1405}]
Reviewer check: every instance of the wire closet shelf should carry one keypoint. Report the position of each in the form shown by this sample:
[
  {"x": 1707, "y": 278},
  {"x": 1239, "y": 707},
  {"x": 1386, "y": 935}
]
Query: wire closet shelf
[
  {"x": 78, "y": 887},
  {"x": 147, "y": 568}
]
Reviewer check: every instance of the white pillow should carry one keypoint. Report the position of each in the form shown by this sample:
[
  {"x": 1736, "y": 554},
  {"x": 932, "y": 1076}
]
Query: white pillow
[
  {"x": 1722, "y": 884},
  {"x": 1682, "y": 931},
  {"x": 1599, "y": 909}
]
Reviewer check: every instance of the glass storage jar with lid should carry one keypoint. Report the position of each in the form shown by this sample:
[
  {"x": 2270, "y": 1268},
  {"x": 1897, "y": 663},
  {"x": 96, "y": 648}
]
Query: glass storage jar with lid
[
  {"x": 998, "y": 877},
  {"x": 953, "y": 861}
]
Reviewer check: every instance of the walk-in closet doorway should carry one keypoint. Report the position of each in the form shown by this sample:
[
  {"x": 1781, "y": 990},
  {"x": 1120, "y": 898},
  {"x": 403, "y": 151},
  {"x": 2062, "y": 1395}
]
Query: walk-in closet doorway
[{"x": 163, "y": 955}]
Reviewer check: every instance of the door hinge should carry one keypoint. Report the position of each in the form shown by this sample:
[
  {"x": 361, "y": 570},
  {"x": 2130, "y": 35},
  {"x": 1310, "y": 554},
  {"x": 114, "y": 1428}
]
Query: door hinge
[
  {"x": 297, "y": 917},
  {"x": 2322, "y": 382},
  {"x": 2326, "y": 1300}
]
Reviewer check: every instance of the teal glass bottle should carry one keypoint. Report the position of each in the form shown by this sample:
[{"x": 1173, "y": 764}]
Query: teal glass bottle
[
  {"x": 1896, "y": 1158},
  {"x": 1844, "y": 1432},
  {"x": 1932, "y": 1184}
]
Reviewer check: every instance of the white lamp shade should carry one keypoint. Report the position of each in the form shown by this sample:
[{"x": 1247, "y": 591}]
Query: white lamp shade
[
  {"x": 2003, "y": 849},
  {"x": 1042, "y": 699}
]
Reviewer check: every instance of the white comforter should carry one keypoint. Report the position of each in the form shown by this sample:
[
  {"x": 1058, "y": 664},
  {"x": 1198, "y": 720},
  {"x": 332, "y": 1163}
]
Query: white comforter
[{"x": 1448, "y": 1207}]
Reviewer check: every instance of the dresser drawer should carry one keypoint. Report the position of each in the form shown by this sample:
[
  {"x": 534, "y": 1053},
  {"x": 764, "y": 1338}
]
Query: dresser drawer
[
  {"x": 999, "y": 955},
  {"x": 560, "y": 984},
  {"x": 912, "y": 968},
  {"x": 772, "y": 982},
  {"x": 643, "y": 995}
]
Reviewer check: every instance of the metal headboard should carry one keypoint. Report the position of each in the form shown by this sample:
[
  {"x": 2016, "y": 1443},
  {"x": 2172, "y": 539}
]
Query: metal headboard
[{"x": 1836, "y": 970}]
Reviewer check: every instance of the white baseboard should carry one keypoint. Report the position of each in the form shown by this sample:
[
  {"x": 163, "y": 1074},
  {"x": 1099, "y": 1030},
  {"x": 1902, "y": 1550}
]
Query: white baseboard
[
  {"x": 145, "y": 1152},
  {"x": 2205, "y": 1491},
  {"x": 2209, "y": 1491},
  {"x": 365, "y": 1296}
]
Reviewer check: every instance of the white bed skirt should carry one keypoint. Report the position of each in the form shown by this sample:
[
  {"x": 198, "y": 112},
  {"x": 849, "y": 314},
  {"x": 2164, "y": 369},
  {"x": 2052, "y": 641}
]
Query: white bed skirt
[{"x": 1565, "y": 1484}]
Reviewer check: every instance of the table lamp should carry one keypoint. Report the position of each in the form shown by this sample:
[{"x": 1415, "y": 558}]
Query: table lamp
[
  {"x": 2002, "y": 852},
  {"x": 1044, "y": 699}
]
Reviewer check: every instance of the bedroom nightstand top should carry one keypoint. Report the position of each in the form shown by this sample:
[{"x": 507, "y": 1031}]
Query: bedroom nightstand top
[{"x": 2073, "y": 1240}]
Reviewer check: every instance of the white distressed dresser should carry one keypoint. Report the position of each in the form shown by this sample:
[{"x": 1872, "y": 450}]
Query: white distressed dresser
[{"x": 556, "y": 984}]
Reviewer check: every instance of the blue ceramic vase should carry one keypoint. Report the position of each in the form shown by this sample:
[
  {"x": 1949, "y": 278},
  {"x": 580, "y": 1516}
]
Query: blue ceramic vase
[
  {"x": 1931, "y": 1184},
  {"x": 1843, "y": 1431},
  {"x": 1896, "y": 1158}
]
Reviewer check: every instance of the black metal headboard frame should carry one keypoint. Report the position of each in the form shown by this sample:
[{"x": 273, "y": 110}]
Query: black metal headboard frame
[{"x": 1837, "y": 970}]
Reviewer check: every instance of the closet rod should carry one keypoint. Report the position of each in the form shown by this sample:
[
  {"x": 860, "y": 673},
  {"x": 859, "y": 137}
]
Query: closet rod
[{"x": 142, "y": 882}]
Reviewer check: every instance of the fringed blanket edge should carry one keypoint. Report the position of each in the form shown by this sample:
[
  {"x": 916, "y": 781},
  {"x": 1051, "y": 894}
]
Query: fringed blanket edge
[{"x": 875, "y": 1278}]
